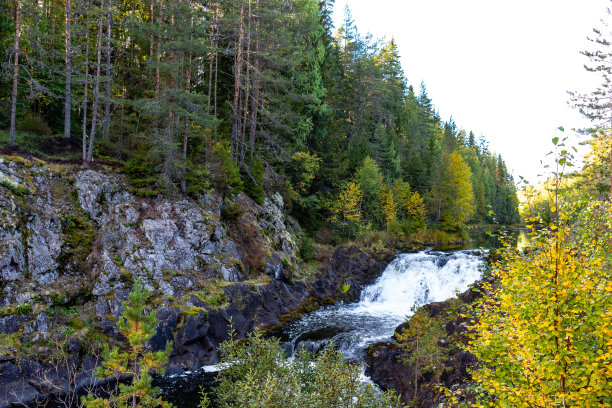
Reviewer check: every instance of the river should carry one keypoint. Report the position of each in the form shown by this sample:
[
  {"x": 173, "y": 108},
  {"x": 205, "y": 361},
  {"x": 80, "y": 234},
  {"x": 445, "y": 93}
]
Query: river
[{"x": 409, "y": 280}]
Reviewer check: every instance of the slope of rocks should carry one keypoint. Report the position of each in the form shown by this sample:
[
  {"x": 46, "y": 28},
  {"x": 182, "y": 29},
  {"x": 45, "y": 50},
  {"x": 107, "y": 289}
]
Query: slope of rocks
[{"x": 72, "y": 240}]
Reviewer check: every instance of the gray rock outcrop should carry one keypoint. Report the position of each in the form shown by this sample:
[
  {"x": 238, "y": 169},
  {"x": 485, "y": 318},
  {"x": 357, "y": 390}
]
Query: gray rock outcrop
[{"x": 73, "y": 240}]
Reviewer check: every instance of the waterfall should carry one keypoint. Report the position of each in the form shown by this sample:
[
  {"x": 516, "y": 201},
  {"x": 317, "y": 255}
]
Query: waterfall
[
  {"x": 408, "y": 281},
  {"x": 418, "y": 279},
  {"x": 411, "y": 279}
]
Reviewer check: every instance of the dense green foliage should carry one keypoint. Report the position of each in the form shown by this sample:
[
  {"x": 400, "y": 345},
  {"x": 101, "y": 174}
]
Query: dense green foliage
[
  {"x": 247, "y": 95},
  {"x": 258, "y": 374}
]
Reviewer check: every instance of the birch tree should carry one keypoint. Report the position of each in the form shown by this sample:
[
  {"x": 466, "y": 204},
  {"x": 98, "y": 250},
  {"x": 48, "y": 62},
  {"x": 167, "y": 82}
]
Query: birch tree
[{"x": 597, "y": 104}]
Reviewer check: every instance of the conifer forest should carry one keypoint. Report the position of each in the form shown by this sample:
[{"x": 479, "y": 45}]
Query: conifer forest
[
  {"x": 244, "y": 203},
  {"x": 246, "y": 96}
]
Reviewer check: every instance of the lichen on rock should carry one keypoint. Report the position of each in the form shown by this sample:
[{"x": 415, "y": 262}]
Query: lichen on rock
[{"x": 71, "y": 248}]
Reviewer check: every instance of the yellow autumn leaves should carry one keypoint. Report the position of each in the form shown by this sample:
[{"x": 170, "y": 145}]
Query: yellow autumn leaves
[
  {"x": 544, "y": 336},
  {"x": 349, "y": 203},
  {"x": 395, "y": 203},
  {"x": 452, "y": 192},
  {"x": 371, "y": 201}
]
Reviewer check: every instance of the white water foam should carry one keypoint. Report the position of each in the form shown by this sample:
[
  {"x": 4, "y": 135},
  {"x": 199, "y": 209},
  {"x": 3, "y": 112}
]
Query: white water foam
[
  {"x": 417, "y": 279},
  {"x": 411, "y": 279}
]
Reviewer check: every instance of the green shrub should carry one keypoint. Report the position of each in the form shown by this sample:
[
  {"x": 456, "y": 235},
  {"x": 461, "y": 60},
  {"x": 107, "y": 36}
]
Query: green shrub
[
  {"x": 231, "y": 211},
  {"x": 258, "y": 375},
  {"x": 254, "y": 180},
  {"x": 24, "y": 309},
  {"x": 197, "y": 178},
  {"x": 18, "y": 189},
  {"x": 443, "y": 237},
  {"x": 306, "y": 249},
  {"x": 32, "y": 123},
  {"x": 143, "y": 174},
  {"x": 226, "y": 173},
  {"x": 212, "y": 294}
]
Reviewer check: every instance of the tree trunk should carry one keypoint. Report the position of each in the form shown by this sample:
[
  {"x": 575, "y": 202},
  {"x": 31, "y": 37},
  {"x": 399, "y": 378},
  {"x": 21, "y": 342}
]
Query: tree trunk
[
  {"x": 174, "y": 78},
  {"x": 247, "y": 85},
  {"x": 131, "y": 32},
  {"x": 212, "y": 54},
  {"x": 151, "y": 40},
  {"x": 216, "y": 82},
  {"x": 244, "y": 119},
  {"x": 96, "y": 92},
  {"x": 210, "y": 76},
  {"x": 217, "y": 7},
  {"x": 188, "y": 90},
  {"x": 255, "y": 96},
  {"x": 416, "y": 372},
  {"x": 86, "y": 86},
  {"x": 158, "y": 57},
  {"x": 173, "y": 117},
  {"x": 68, "y": 80},
  {"x": 15, "y": 74},
  {"x": 51, "y": 14},
  {"x": 107, "y": 112},
  {"x": 237, "y": 84}
]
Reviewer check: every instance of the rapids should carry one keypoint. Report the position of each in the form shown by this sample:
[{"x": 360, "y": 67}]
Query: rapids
[{"x": 409, "y": 281}]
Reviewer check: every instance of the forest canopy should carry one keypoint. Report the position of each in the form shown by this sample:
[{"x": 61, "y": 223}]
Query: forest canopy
[{"x": 245, "y": 95}]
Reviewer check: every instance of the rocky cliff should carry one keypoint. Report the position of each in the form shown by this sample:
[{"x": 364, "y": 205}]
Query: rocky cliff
[{"x": 73, "y": 239}]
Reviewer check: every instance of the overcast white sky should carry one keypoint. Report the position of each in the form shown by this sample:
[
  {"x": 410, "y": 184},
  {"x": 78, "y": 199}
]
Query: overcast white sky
[{"x": 500, "y": 68}]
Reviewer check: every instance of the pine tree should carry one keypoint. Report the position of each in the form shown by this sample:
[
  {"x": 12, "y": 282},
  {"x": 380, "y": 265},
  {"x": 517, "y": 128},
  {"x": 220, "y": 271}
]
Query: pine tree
[{"x": 138, "y": 325}]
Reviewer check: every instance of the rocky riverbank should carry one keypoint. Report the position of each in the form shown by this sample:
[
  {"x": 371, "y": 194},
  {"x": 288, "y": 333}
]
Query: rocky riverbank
[
  {"x": 72, "y": 240},
  {"x": 420, "y": 363}
]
